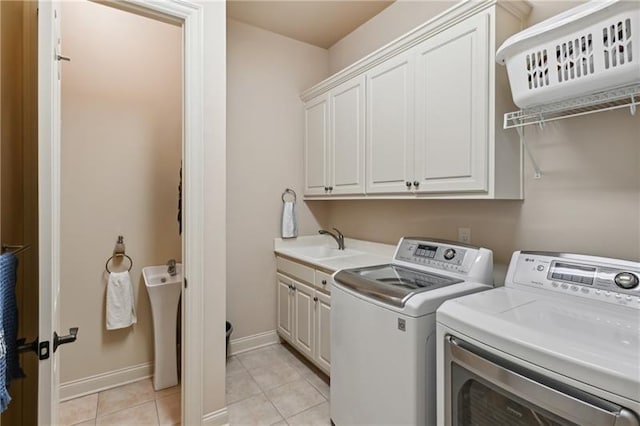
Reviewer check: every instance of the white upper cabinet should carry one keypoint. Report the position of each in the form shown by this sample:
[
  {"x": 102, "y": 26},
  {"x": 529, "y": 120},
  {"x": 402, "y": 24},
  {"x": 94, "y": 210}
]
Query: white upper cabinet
[
  {"x": 334, "y": 141},
  {"x": 434, "y": 101},
  {"x": 389, "y": 120},
  {"x": 316, "y": 145},
  {"x": 346, "y": 163},
  {"x": 452, "y": 109}
]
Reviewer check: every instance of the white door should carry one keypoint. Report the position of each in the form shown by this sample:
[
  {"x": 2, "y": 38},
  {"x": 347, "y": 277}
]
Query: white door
[
  {"x": 285, "y": 307},
  {"x": 304, "y": 315},
  {"x": 452, "y": 109},
  {"x": 389, "y": 118},
  {"x": 316, "y": 144},
  {"x": 323, "y": 331},
  {"x": 48, "y": 205},
  {"x": 346, "y": 162}
]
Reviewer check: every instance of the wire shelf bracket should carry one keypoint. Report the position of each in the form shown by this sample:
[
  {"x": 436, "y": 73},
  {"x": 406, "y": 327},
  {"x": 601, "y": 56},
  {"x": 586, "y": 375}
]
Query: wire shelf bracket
[{"x": 624, "y": 97}]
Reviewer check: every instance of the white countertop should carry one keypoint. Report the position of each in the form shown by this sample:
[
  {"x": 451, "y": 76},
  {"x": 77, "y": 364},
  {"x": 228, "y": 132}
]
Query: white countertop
[
  {"x": 358, "y": 253},
  {"x": 369, "y": 254}
]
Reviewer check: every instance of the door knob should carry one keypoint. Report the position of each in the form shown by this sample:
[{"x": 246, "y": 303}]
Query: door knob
[
  {"x": 63, "y": 340},
  {"x": 416, "y": 183},
  {"x": 408, "y": 184}
]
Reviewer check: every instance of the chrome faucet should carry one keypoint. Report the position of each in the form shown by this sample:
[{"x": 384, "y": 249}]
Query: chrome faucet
[
  {"x": 171, "y": 267},
  {"x": 337, "y": 236}
]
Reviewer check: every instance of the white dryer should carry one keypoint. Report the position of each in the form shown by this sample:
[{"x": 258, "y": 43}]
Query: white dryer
[
  {"x": 383, "y": 330},
  {"x": 558, "y": 345}
]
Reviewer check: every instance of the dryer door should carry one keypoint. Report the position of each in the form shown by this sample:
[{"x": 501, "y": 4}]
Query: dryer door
[{"x": 485, "y": 390}]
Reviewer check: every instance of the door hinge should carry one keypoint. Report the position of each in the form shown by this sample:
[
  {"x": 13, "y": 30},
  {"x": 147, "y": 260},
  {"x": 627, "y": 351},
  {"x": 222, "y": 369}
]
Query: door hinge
[{"x": 185, "y": 283}]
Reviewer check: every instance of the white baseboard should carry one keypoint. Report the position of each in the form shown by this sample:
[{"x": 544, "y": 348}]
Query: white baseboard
[
  {"x": 216, "y": 418},
  {"x": 255, "y": 341},
  {"x": 99, "y": 382}
]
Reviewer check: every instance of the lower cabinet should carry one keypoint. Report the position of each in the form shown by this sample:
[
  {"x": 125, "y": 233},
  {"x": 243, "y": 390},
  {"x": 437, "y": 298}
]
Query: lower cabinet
[{"x": 304, "y": 315}]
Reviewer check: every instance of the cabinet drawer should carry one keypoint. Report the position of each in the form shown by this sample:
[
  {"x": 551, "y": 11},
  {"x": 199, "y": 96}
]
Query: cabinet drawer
[
  {"x": 296, "y": 270},
  {"x": 323, "y": 281}
]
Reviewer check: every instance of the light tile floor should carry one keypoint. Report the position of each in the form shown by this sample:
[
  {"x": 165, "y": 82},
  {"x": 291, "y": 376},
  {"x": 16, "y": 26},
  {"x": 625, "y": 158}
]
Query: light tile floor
[{"x": 267, "y": 386}]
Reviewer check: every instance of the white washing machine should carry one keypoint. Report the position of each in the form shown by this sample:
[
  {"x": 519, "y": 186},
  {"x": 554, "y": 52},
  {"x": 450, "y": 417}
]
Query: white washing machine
[
  {"x": 383, "y": 330},
  {"x": 558, "y": 345}
]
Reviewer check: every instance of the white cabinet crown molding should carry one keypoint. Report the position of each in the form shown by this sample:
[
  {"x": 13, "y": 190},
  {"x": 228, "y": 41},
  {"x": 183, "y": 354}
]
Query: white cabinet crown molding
[{"x": 439, "y": 23}]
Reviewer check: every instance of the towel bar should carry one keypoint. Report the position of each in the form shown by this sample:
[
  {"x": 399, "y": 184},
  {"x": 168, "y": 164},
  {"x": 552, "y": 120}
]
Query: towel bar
[
  {"x": 106, "y": 265},
  {"x": 118, "y": 251},
  {"x": 15, "y": 248},
  {"x": 289, "y": 191}
]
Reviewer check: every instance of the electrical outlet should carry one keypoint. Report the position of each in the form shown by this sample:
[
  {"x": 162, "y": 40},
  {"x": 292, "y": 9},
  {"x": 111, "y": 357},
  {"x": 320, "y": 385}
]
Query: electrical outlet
[{"x": 464, "y": 235}]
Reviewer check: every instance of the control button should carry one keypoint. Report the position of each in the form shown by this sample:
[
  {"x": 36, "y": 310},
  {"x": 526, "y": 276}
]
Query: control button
[
  {"x": 555, "y": 284},
  {"x": 607, "y": 293},
  {"x": 584, "y": 290},
  {"x": 564, "y": 286},
  {"x": 629, "y": 298},
  {"x": 574, "y": 287},
  {"x": 598, "y": 292},
  {"x": 618, "y": 296},
  {"x": 449, "y": 253},
  {"x": 540, "y": 268},
  {"x": 626, "y": 280}
]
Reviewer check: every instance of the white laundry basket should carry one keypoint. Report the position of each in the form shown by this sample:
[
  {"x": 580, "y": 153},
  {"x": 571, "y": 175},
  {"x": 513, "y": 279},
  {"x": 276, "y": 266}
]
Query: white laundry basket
[{"x": 587, "y": 49}]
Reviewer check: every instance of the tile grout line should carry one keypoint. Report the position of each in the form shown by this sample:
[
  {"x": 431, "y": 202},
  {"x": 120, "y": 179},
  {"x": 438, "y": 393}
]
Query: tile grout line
[{"x": 155, "y": 403}]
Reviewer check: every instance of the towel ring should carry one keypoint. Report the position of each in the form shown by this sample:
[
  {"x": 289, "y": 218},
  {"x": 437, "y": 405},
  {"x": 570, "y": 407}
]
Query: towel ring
[
  {"x": 289, "y": 191},
  {"x": 106, "y": 265}
]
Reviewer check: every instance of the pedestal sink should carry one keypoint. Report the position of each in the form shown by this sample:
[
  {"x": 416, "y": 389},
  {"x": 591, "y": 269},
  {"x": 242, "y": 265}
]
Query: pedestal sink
[{"x": 164, "y": 293}]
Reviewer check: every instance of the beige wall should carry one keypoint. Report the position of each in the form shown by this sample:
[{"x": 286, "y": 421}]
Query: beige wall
[
  {"x": 386, "y": 26},
  {"x": 588, "y": 200},
  {"x": 266, "y": 73},
  {"x": 121, "y": 153}
]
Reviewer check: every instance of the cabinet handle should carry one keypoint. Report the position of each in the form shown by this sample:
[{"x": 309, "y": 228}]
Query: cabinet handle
[
  {"x": 330, "y": 188},
  {"x": 326, "y": 189},
  {"x": 315, "y": 299},
  {"x": 416, "y": 183},
  {"x": 293, "y": 287},
  {"x": 408, "y": 184},
  {"x": 324, "y": 282}
]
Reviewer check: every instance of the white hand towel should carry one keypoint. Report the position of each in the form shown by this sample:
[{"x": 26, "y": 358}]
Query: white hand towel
[
  {"x": 121, "y": 311},
  {"x": 289, "y": 225}
]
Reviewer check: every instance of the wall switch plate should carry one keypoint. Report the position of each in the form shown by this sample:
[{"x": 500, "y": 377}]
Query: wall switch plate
[{"x": 464, "y": 235}]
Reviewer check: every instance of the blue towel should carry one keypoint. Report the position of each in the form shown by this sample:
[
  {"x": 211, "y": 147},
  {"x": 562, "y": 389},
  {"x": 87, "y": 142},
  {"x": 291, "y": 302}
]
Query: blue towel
[
  {"x": 9, "y": 323},
  {"x": 8, "y": 265}
]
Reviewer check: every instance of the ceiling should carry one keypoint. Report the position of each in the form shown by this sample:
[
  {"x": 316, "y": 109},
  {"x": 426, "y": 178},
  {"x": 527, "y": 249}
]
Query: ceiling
[{"x": 318, "y": 22}]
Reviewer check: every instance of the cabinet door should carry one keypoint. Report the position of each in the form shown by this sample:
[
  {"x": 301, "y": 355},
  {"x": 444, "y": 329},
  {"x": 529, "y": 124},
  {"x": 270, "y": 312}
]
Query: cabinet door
[
  {"x": 389, "y": 118},
  {"x": 285, "y": 307},
  {"x": 316, "y": 145},
  {"x": 323, "y": 331},
  {"x": 452, "y": 109},
  {"x": 304, "y": 316},
  {"x": 346, "y": 155}
]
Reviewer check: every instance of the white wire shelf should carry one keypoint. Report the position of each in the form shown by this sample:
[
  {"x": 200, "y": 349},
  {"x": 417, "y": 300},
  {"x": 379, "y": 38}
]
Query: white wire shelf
[{"x": 624, "y": 97}]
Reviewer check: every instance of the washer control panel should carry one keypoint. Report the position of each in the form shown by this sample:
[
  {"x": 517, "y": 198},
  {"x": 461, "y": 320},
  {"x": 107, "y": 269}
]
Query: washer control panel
[
  {"x": 609, "y": 280},
  {"x": 435, "y": 254}
]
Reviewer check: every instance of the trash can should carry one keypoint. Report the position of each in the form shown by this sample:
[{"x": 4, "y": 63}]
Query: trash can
[{"x": 229, "y": 331}]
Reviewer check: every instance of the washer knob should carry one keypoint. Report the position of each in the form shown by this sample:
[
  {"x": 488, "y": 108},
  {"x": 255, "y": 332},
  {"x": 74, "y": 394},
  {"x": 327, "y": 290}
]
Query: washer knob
[
  {"x": 626, "y": 280},
  {"x": 449, "y": 253}
]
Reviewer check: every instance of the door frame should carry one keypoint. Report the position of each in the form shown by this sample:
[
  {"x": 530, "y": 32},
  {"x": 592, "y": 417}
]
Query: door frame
[{"x": 191, "y": 17}]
